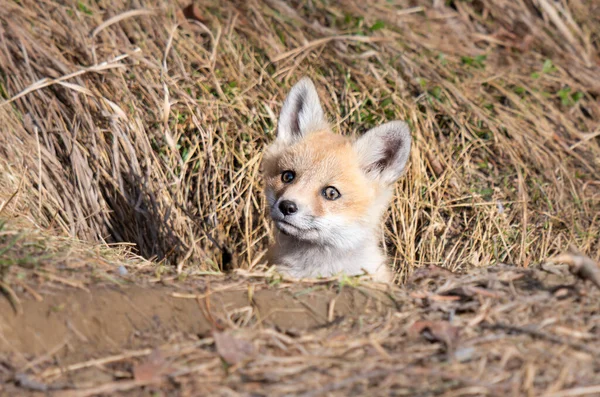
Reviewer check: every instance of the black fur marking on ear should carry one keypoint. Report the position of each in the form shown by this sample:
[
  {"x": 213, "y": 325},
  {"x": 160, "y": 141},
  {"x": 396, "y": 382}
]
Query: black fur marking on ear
[
  {"x": 298, "y": 108},
  {"x": 392, "y": 146}
]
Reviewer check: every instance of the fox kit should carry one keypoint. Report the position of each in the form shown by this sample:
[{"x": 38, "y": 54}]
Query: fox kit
[{"x": 327, "y": 193}]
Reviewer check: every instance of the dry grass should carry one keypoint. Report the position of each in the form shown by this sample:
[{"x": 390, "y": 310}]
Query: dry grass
[
  {"x": 124, "y": 123},
  {"x": 33, "y": 262},
  {"x": 161, "y": 146}
]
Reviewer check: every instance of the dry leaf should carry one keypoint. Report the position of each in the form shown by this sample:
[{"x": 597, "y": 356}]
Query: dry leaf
[
  {"x": 440, "y": 331},
  {"x": 193, "y": 12},
  {"x": 231, "y": 349},
  {"x": 151, "y": 369},
  {"x": 437, "y": 167}
]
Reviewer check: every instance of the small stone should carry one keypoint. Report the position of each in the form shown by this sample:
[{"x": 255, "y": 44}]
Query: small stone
[
  {"x": 500, "y": 207},
  {"x": 464, "y": 354}
]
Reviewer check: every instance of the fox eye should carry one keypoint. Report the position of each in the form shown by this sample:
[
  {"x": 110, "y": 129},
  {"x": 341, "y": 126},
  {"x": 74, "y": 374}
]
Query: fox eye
[
  {"x": 287, "y": 176},
  {"x": 331, "y": 193}
]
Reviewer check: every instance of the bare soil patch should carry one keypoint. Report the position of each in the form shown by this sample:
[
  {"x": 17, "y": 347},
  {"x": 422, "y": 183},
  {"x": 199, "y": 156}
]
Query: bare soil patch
[{"x": 113, "y": 318}]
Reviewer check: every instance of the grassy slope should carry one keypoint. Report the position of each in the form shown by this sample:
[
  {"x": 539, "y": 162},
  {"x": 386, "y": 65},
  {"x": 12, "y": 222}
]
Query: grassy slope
[
  {"x": 165, "y": 154},
  {"x": 164, "y": 150}
]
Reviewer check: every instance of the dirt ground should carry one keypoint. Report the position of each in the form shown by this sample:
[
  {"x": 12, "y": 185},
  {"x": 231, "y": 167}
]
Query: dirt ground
[
  {"x": 109, "y": 317},
  {"x": 497, "y": 331}
]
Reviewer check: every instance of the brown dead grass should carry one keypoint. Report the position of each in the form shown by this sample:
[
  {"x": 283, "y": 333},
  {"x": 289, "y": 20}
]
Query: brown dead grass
[
  {"x": 124, "y": 123},
  {"x": 148, "y": 129}
]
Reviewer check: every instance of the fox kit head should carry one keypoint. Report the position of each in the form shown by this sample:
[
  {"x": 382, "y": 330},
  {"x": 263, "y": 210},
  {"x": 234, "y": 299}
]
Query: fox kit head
[{"x": 325, "y": 188}]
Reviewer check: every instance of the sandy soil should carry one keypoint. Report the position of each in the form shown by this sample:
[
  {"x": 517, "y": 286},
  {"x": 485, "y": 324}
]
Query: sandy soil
[{"x": 110, "y": 319}]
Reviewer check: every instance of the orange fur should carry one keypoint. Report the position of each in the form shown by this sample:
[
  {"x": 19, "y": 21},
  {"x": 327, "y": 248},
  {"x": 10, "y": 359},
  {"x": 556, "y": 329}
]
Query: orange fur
[
  {"x": 322, "y": 159},
  {"x": 327, "y": 193}
]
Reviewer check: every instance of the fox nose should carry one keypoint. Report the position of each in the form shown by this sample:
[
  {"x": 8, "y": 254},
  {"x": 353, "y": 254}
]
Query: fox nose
[{"x": 288, "y": 207}]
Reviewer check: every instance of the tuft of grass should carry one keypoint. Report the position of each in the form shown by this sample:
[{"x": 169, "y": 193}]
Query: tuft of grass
[
  {"x": 377, "y": 26},
  {"x": 548, "y": 67},
  {"x": 163, "y": 150},
  {"x": 27, "y": 252},
  {"x": 83, "y": 8},
  {"x": 477, "y": 61}
]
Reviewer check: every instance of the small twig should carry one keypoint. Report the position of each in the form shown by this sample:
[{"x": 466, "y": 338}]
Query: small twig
[
  {"x": 107, "y": 388},
  {"x": 540, "y": 334},
  {"x": 208, "y": 292},
  {"x": 579, "y": 265},
  {"x": 96, "y": 362},
  {"x": 56, "y": 278},
  {"x": 31, "y": 291},
  {"x": 325, "y": 40},
  {"x": 25, "y": 382},
  {"x": 39, "y": 153},
  {"x": 195, "y": 368},
  {"x": 206, "y": 309},
  {"x": 119, "y": 18},
  {"x": 577, "y": 391},
  {"x": 12, "y": 196},
  {"x": 45, "y": 357},
  {"x": 12, "y": 297},
  {"x": 46, "y": 82},
  {"x": 331, "y": 309}
]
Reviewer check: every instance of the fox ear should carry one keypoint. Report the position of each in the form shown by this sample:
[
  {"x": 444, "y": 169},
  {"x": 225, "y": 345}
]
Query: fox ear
[
  {"x": 383, "y": 151},
  {"x": 301, "y": 113}
]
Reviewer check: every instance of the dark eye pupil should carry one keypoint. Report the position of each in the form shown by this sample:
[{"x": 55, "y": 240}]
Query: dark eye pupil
[
  {"x": 331, "y": 193},
  {"x": 288, "y": 176}
]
